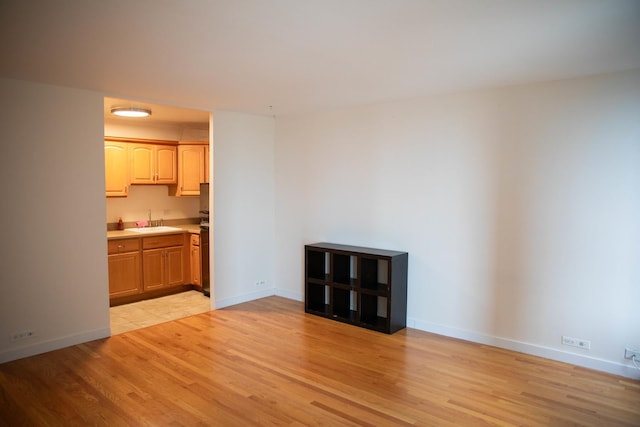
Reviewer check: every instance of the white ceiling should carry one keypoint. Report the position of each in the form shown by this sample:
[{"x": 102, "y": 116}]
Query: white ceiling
[{"x": 309, "y": 55}]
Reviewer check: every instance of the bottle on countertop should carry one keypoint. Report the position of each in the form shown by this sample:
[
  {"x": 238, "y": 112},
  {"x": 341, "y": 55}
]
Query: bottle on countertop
[{"x": 120, "y": 224}]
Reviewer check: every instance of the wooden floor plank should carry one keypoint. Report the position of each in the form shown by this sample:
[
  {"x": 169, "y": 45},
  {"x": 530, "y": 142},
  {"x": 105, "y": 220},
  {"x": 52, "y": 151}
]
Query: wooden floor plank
[{"x": 266, "y": 362}]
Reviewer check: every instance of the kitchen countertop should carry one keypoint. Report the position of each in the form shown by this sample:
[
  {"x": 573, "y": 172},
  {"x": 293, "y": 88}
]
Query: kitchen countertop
[{"x": 184, "y": 228}]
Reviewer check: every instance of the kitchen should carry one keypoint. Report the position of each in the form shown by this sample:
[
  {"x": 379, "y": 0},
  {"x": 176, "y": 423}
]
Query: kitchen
[{"x": 157, "y": 186}]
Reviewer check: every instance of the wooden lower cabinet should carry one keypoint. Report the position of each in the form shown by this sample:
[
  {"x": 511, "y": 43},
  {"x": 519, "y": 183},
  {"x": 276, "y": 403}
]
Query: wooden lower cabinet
[
  {"x": 163, "y": 261},
  {"x": 147, "y": 267},
  {"x": 196, "y": 280},
  {"x": 153, "y": 269},
  {"x": 125, "y": 276},
  {"x": 175, "y": 268}
]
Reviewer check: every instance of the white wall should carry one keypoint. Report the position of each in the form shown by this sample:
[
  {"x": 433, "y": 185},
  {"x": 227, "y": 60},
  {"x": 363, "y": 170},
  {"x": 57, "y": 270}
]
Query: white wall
[
  {"x": 54, "y": 255},
  {"x": 162, "y": 131},
  {"x": 243, "y": 212},
  {"x": 519, "y": 207}
]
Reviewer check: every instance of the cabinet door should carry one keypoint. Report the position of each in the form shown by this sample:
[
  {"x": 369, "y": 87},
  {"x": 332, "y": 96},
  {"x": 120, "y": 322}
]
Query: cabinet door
[
  {"x": 153, "y": 267},
  {"x": 195, "y": 265},
  {"x": 165, "y": 163},
  {"x": 191, "y": 169},
  {"x": 141, "y": 163},
  {"x": 124, "y": 274},
  {"x": 116, "y": 169},
  {"x": 174, "y": 266}
]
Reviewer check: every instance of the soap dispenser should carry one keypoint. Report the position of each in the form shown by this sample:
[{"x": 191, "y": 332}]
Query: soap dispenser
[{"x": 120, "y": 224}]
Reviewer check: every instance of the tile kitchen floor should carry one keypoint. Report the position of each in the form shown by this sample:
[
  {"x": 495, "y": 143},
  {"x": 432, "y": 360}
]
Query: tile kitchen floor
[{"x": 159, "y": 310}]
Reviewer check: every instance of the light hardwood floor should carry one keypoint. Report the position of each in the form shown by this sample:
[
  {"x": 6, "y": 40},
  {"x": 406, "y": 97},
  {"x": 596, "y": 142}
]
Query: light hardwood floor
[{"x": 267, "y": 363}]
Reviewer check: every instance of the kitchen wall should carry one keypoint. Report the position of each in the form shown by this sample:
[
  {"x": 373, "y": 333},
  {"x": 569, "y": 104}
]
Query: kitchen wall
[
  {"x": 141, "y": 198},
  {"x": 54, "y": 257},
  {"x": 125, "y": 129},
  {"x": 519, "y": 208}
]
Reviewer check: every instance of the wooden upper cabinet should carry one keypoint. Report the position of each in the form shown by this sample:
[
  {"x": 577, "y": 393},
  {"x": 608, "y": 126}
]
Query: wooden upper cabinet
[
  {"x": 116, "y": 169},
  {"x": 191, "y": 170},
  {"x": 141, "y": 163},
  {"x": 152, "y": 164},
  {"x": 166, "y": 171}
]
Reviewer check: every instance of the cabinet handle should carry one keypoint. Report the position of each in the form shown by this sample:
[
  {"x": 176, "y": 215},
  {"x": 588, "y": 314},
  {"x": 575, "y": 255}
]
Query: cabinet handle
[{"x": 120, "y": 246}]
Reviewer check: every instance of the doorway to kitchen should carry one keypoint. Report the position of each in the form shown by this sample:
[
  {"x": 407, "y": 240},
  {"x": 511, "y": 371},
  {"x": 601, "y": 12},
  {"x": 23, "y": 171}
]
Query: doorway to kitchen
[{"x": 156, "y": 162}]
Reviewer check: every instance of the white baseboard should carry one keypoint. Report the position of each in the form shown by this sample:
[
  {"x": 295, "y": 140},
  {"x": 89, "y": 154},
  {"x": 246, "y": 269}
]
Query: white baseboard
[
  {"x": 54, "y": 344},
  {"x": 532, "y": 349},
  {"x": 290, "y": 295},
  {"x": 226, "y": 302}
]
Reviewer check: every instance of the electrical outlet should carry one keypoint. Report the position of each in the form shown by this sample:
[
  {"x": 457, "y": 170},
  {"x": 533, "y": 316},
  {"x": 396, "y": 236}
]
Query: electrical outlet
[
  {"x": 630, "y": 353},
  {"x": 576, "y": 342},
  {"x": 17, "y": 336},
  {"x": 260, "y": 283}
]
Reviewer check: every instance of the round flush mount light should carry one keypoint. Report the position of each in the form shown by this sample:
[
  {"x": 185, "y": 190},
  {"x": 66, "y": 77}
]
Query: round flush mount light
[{"x": 130, "y": 111}]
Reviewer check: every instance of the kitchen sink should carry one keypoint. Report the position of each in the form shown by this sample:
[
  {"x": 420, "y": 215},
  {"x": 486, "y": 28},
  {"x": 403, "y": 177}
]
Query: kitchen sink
[{"x": 159, "y": 229}]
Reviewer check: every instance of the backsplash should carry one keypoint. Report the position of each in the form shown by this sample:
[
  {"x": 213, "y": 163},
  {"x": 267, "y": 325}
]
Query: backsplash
[
  {"x": 112, "y": 226},
  {"x": 141, "y": 198}
]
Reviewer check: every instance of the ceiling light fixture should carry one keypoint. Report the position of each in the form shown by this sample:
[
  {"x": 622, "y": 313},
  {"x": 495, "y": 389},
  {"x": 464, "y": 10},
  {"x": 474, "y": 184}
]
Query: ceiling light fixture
[{"x": 130, "y": 111}]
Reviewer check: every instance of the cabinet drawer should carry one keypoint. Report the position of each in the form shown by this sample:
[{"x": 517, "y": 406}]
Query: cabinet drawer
[
  {"x": 123, "y": 245},
  {"x": 195, "y": 240},
  {"x": 153, "y": 242}
]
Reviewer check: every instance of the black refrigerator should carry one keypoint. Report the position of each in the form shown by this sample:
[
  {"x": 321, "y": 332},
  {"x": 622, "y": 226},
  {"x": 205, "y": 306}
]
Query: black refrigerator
[{"x": 204, "y": 239}]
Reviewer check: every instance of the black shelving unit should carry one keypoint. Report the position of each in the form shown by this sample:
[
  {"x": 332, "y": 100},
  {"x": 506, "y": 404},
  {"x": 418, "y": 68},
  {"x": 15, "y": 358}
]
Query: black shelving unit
[{"x": 366, "y": 287}]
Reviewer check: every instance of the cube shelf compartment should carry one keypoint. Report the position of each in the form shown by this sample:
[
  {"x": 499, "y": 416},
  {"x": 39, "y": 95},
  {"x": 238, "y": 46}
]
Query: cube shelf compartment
[
  {"x": 317, "y": 265},
  {"x": 317, "y": 300},
  {"x": 365, "y": 287}
]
